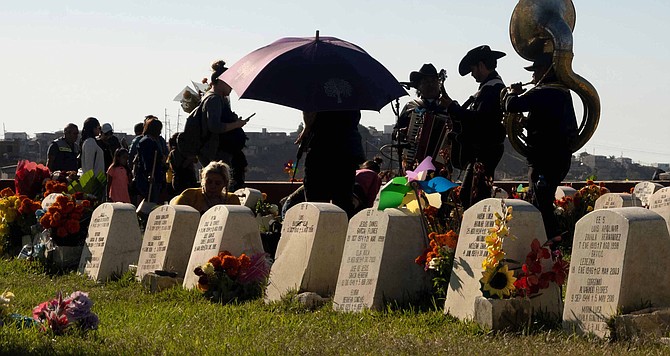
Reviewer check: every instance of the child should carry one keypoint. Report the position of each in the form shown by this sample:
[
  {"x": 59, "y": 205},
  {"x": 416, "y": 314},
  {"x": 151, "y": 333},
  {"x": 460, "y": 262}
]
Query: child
[{"x": 119, "y": 177}]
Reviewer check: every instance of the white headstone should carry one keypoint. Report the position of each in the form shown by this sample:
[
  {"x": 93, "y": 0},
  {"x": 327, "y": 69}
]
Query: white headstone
[
  {"x": 616, "y": 200},
  {"x": 500, "y": 193},
  {"x": 619, "y": 264},
  {"x": 659, "y": 202},
  {"x": 464, "y": 285},
  {"x": 378, "y": 261},
  {"x": 231, "y": 228},
  {"x": 644, "y": 190},
  {"x": 564, "y": 191},
  {"x": 249, "y": 197},
  {"x": 49, "y": 200},
  {"x": 310, "y": 250},
  {"x": 168, "y": 239},
  {"x": 113, "y": 242}
]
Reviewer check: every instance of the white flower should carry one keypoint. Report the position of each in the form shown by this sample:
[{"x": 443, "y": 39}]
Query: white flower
[{"x": 433, "y": 263}]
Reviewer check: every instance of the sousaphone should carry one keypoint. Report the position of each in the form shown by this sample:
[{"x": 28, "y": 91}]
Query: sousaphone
[{"x": 545, "y": 26}]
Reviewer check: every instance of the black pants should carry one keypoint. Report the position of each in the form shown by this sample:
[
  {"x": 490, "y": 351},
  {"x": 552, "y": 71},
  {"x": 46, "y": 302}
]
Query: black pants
[
  {"x": 544, "y": 176},
  {"x": 482, "y": 190},
  {"x": 330, "y": 178}
]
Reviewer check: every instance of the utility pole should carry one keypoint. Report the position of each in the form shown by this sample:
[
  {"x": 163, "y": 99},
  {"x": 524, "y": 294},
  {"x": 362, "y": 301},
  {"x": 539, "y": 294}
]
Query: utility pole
[{"x": 166, "y": 125}]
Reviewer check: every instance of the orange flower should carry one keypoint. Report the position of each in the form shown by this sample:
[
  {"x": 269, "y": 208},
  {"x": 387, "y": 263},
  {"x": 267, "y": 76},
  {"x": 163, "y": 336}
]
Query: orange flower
[
  {"x": 85, "y": 203},
  {"x": 62, "y": 200},
  {"x": 7, "y": 192},
  {"x": 61, "y": 231},
  {"x": 231, "y": 265},
  {"x": 45, "y": 221},
  {"x": 245, "y": 261},
  {"x": 72, "y": 226},
  {"x": 216, "y": 262}
]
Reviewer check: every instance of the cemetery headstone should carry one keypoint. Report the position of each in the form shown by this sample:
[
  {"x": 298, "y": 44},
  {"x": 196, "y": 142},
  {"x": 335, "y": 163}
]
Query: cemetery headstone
[
  {"x": 168, "y": 239},
  {"x": 49, "y": 200},
  {"x": 113, "y": 242},
  {"x": 616, "y": 200},
  {"x": 500, "y": 193},
  {"x": 464, "y": 286},
  {"x": 564, "y": 191},
  {"x": 249, "y": 197},
  {"x": 310, "y": 250},
  {"x": 378, "y": 261},
  {"x": 644, "y": 190},
  {"x": 610, "y": 271},
  {"x": 230, "y": 228},
  {"x": 659, "y": 202}
]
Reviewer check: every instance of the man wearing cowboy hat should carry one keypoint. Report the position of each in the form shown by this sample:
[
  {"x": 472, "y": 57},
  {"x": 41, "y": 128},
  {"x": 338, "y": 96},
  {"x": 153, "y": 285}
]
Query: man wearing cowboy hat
[
  {"x": 550, "y": 126},
  {"x": 426, "y": 81},
  {"x": 479, "y": 119}
]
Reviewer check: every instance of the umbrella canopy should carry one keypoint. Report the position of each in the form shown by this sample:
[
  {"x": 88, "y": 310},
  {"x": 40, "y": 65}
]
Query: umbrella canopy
[{"x": 314, "y": 74}]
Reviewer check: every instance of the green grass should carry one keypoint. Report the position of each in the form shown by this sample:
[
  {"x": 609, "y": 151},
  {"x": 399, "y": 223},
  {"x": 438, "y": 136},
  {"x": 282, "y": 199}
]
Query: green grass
[{"x": 177, "y": 321}]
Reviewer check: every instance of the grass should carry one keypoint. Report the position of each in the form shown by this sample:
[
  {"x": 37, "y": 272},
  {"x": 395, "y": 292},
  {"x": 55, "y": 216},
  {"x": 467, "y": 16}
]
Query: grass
[{"x": 179, "y": 321}]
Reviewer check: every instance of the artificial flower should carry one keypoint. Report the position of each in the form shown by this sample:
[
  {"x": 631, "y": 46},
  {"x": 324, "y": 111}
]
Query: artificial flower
[{"x": 498, "y": 281}]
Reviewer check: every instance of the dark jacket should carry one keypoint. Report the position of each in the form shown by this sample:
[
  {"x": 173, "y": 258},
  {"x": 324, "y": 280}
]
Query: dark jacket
[
  {"x": 551, "y": 123},
  {"x": 480, "y": 117}
]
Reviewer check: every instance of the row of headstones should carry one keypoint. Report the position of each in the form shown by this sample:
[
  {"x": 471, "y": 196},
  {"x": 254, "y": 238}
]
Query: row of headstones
[{"x": 369, "y": 261}]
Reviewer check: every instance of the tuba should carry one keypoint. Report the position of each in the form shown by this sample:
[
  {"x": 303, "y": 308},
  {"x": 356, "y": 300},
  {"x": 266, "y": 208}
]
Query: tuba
[{"x": 545, "y": 26}]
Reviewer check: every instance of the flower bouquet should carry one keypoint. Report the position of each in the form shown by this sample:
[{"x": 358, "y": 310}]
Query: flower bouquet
[
  {"x": 17, "y": 216},
  {"x": 29, "y": 178},
  {"x": 67, "y": 220},
  {"x": 499, "y": 279},
  {"x": 438, "y": 259},
  {"x": 569, "y": 210},
  {"x": 58, "y": 314},
  {"x": 226, "y": 278}
]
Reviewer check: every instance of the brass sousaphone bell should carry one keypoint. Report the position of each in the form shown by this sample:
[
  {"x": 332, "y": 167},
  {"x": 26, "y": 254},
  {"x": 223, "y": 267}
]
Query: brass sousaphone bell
[{"x": 545, "y": 26}]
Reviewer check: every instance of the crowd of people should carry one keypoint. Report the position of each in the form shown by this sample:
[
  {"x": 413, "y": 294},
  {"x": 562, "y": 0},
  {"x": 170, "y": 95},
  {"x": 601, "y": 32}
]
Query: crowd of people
[{"x": 336, "y": 170}]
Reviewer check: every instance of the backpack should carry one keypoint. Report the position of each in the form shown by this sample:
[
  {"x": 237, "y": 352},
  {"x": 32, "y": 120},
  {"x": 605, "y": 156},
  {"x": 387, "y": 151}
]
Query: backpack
[{"x": 191, "y": 141}]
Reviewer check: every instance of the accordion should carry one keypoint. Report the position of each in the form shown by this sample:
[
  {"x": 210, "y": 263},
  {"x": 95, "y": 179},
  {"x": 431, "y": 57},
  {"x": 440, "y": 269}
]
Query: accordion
[{"x": 426, "y": 136}]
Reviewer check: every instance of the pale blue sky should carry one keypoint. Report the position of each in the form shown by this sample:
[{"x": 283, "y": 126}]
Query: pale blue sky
[{"x": 118, "y": 61}]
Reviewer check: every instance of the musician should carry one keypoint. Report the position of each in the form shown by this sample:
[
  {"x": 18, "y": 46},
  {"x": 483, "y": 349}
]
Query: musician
[
  {"x": 550, "y": 126},
  {"x": 426, "y": 81},
  {"x": 479, "y": 119}
]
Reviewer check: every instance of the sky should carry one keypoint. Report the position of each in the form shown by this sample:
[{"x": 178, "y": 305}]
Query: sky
[{"x": 121, "y": 60}]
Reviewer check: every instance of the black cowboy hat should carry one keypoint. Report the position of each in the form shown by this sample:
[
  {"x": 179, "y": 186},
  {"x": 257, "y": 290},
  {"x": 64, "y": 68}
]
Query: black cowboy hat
[
  {"x": 427, "y": 70},
  {"x": 475, "y": 55},
  {"x": 543, "y": 61}
]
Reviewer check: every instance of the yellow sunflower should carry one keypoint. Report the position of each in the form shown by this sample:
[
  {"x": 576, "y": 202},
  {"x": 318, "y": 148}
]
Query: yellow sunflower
[{"x": 498, "y": 281}]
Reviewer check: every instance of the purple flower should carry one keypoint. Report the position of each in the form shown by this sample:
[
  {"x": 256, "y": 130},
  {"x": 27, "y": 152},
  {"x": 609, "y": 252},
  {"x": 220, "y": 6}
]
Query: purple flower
[
  {"x": 79, "y": 306},
  {"x": 89, "y": 322}
]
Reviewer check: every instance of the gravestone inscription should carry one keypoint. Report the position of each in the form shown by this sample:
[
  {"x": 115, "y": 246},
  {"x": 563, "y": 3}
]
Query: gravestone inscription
[
  {"x": 378, "y": 261},
  {"x": 231, "y": 228},
  {"x": 310, "y": 250},
  {"x": 464, "y": 286},
  {"x": 644, "y": 190},
  {"x": 168, "y": 239},
  {"x": 113, "y": 242},
  {"x": 616, "y": 200},
  {"x": 659, "y": 202},
  {"x": 606, "y": 273}
]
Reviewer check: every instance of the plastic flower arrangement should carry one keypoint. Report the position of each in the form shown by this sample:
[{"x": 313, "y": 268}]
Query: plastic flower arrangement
[
  {"x": 533, "y": 278},
  {"x": 226, "y": 278},
  {"x": 58, "y": 315},
  {"x": 438, "y": 259},
  {"x": 497, "y": 279},
  {"x": 5, "y": 306},
  {"x": 17, "y": 216},
  {"x": 421, "y": 192},
  {"x": 291, "y": 169},
  {"x": 569, "y": 210},
  {"x": 67, "y": 219},
  {"x": 29, "y": 178},
  {"x": 53, "y": 186}
]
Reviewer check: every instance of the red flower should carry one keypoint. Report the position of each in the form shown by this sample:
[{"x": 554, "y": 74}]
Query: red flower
[{"x": 61, "y": 231}]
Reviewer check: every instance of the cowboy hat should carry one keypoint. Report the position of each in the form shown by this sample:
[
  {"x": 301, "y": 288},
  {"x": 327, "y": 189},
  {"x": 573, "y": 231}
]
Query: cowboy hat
[
  {"x": 475, "y": 55},
  {"x": 427, "y": 70}
]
